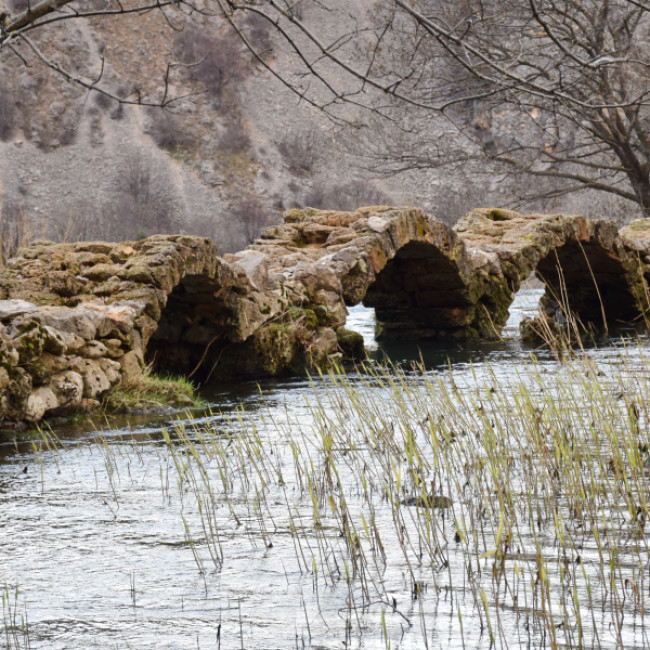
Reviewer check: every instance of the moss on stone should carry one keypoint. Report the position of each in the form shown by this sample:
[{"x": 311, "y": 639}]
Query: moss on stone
[
  {"x": 351, "y": 344},
  {"x": 276, "y": 347}
]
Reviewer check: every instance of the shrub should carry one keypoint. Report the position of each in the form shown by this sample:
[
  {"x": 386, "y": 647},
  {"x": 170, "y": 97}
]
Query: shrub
[
  {"x": 213, "y": 62},
  {"x": 301, "y": 152},
  {"x": 297, "y": 10},
  {"x": 20, "y": 5},
  {"x": 349, "y": 196},
  {"x": 7, "y": 111},
  {"x": 145, "y": 200},
  {"x": 258, "y": 33},
  {"x": 235, "y": 138},
  {"x": 166, "y": 132},
  {"x": 14, "y": 228},
  {"x": 251, "y": 216},
  {"x": 102, "y": 101}
]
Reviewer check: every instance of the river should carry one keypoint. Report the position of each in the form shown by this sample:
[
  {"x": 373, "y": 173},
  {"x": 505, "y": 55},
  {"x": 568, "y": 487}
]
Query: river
[{"x": 279, "y": 517}]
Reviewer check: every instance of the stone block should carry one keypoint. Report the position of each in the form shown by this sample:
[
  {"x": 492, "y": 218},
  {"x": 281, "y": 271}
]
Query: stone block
[
  {"x": 131, "y": 368},
  {"x": 40, "y": 401},
  {"x": 11, "y": 308},
  {"x": 95, "y": 381},
  {"x": 68, "y": 386},
  {"x": 94, "y": 350}
]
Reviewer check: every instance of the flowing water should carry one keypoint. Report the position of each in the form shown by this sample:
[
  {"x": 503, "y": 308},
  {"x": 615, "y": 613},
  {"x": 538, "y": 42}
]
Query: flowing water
[{"x": 279, "y": 518}]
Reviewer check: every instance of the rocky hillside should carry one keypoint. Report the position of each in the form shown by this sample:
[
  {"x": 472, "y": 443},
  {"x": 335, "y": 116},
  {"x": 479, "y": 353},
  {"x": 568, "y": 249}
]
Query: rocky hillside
[{"x": 223, "y": 161}]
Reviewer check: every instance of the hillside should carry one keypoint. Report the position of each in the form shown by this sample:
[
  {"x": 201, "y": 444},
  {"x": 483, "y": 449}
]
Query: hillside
[{"x": 226, "y": 159}]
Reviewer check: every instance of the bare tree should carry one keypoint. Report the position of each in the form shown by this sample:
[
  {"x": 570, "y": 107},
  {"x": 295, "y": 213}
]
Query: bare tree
[
  {"x": 144, "y": 201},
  {"x": 251, "y": 216},
  {"x": 558, "y": 90},
  {"x": 22, "y": 25}
]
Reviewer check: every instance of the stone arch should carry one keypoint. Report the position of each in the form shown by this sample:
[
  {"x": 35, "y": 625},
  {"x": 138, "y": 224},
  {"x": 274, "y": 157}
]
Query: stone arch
[
  {"x": 419, "y": 277},
  {"x": 420, "y": 294},
  {"x": 583, "y": 263},
  {"x": 182, "y": 288},
  {"x": 588, "y": 280}
]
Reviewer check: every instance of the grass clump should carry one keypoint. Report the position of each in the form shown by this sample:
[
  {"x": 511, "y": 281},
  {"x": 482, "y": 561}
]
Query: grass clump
[{"x": 151, "y": 393}]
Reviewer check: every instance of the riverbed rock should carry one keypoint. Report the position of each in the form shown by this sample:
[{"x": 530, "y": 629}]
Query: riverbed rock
[{"x": 351, "y": 344}]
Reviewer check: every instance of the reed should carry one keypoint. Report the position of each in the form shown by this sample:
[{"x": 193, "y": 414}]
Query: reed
[{"x": 513, "y": 508}]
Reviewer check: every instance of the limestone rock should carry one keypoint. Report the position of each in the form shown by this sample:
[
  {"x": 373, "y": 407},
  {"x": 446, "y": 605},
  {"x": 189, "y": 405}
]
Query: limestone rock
[
  {"x": 64, "y": 319},
  {"x": 95, "y": 381},
  {"x": 40, "y": 401},
  {"x": 130, "y": 367},
  {"x": 351, "y": 344},
  {"x": 323, "y": 345},
  {"x": 112, "y": 369},
  {"x": 68, "y": 386},
  {"x": 11, "y": 308},
  {"x": 252, "y": 267},
  {"x": 94, "y": 350}
]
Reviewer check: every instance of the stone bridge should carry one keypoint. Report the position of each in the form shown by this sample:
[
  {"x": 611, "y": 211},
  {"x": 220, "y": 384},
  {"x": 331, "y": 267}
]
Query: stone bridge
[{"x": 76, "y": 320}]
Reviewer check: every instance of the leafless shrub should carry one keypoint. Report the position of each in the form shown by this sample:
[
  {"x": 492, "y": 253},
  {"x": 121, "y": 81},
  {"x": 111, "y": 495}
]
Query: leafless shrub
[
  {"x": 118, "y": 112},
  {"x": 71, "y": 229},
  {"x": 212, "y": 62},
  {"x": 7, "y": 111},
  {"x": 297, "y": 10},
  {"x": 348, "y": 196},
  {"x": 251, "y": 216},
  {"x": 235, "y": 138},
  {"x": 103, "y": 101},
  {"x": 166, "y": 132},
  {"x": 145, "y": 201},
  {"x": 21, "y": 5},
  {"x": 258, "y": 31},
  {"x": 14, "y": 228},
  {"x": 92, "y": 5},
  {"x": 67, "y": 134},
  {"x": 301, "y": 152}
]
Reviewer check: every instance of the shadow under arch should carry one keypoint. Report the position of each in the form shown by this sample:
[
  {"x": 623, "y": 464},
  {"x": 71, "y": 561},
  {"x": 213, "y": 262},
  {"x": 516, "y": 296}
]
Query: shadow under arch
[
  {"x": 589, "y": 281},
  {"x": 195, "y": 323},
  {"x": 420, "y": 295}
]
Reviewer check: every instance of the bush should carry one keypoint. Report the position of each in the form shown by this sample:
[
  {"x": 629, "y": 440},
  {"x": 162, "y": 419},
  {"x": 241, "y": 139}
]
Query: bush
[
  {"x": 7, "y": 111},
  {"x": 349, "y": 196},
  {"x": 251, "y": 216},
  {"x": 301, "y": 152},
  {"x": 258, "y": 33},
  {"x": 14, "y": 228},
  {"x": 212, "y": 62},
  {"x": 102, "y": 101},
  {"x": 20, "y": 5},
  {"x": 145, "y": 201},
  {"x": 235, "y": 138},
  {"x": 297, "y": 10},
  {"x": 165, "y": 131}
]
